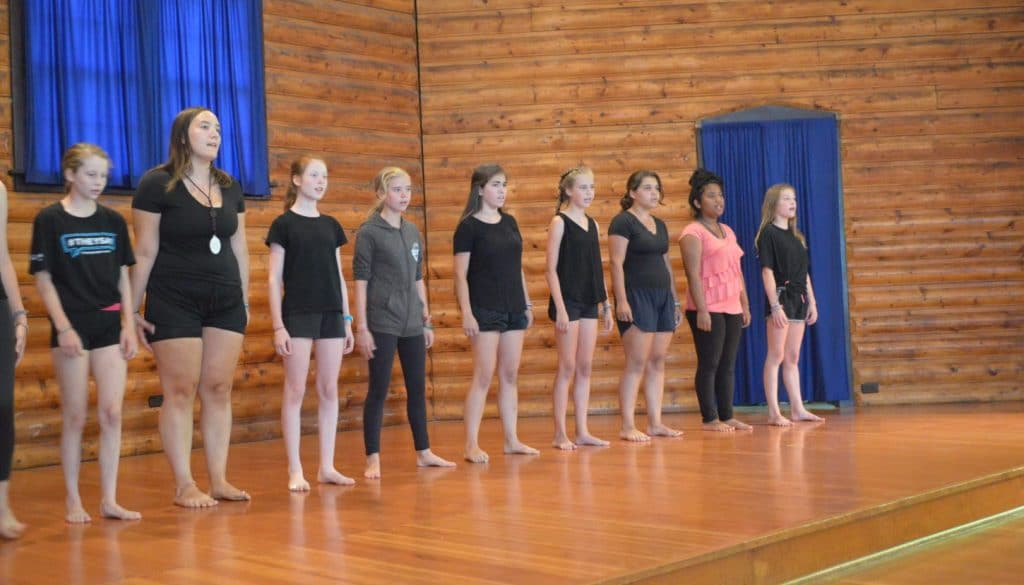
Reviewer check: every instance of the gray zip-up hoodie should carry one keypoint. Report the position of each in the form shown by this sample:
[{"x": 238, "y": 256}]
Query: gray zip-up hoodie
[{"x": 390, "y": 260}]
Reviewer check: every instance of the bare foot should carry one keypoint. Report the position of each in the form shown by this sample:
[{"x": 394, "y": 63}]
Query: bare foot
[
  {"x": 739, "y": 426},
  {"x": 589, "y": 440},
  {"x": 517, "y": 448},
  {"x": 372, "y": 470},
  {"x": 334, "y": 476},
  {"x": 563, "y": 443},
  {"x": 633, "y": 435},
  {"x": 297, "y": 482},
  {"x": 229, "y": 493},
  {"x": 191, "y": 496},
  {"x": 10, "y": 528},
  {"x": 115, "y": 512},
  {"x": 717, "y": 426},
  {"x": 779, "y": 421},
  {"x": 426, "y": 458},
  {"x": 806, "y": 416},
  {"x": 663, "y": 431},
  {"x": 76, "y": 513},
  {"x": 476, "y": 455}
]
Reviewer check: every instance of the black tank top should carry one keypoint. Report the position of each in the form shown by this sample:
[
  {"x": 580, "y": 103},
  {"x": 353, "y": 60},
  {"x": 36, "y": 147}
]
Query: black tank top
[{"x": 579, "y": 269}]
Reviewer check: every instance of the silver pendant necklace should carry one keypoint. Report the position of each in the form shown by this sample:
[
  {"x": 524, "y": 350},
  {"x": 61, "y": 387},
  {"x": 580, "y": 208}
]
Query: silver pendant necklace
[{"x": 215, "y": 245}]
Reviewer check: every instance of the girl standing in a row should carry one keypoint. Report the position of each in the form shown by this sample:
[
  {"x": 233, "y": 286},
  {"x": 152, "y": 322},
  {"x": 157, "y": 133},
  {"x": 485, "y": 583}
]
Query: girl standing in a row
[
  {"x": 575, "y": 277},
  {"x": 494, "y": 299},
  {"x": 80, "y": 258},
  {"x": 646, "y": 304},
  {"x": 305, "y": 263},
  {"x": 392, "y": 315}
]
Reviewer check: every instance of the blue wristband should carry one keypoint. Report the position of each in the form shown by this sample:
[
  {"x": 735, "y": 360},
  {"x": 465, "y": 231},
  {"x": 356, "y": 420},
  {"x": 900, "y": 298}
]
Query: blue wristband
[{"x": 348, "y": 318}]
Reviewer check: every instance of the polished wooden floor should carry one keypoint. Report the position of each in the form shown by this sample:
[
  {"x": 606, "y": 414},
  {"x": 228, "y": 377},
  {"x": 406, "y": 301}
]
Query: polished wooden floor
[
  {"x": 593, "y": 515},
  {"x": 990, "y": 555}
]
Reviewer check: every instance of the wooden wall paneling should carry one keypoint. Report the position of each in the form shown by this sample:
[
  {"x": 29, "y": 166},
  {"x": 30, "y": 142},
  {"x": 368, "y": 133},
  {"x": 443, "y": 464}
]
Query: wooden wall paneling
[{"x": 930, "y": 100}]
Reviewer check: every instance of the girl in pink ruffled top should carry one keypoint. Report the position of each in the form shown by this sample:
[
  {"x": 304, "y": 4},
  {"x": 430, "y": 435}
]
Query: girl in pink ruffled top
[{"x": 716, "y": 300}]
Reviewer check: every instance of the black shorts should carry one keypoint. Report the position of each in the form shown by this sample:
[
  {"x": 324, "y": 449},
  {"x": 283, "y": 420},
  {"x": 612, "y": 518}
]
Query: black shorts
[
  {"x": 499, "y": 321},
  {"x": 326, "y": 325},
  {"x": 654, "y": 310},
  {"x": 575, "y": 310},
  {"x": 794, "y": 305},
  {"x": 184, "y": 308},
  {"x": 96, "y": 329}
]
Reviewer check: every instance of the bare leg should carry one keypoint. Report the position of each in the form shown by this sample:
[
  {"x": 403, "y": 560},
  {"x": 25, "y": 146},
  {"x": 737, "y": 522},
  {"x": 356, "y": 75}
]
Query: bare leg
[
  {"x": 220, "y": 357},
  {"x": 567, "y": 343},
  {"x": 178, "y": 361},
  {"x": 296, "y": 371},
  {"x": 773, "y": 359},
  {"x": 791, "y": 374},
  {"x": 585, "y": 345},
  {"x": 73, "y": 378},
  {"x": 110, "y": 370},
  {"x": 654, "y": 387},
  {"x": 638, "y": 346},
  {"x": 328, "y": 364},
  {"x": 10, "y": 528},
  {"x": 510, "y": 352},
  {"x": 485, "y": 357}
]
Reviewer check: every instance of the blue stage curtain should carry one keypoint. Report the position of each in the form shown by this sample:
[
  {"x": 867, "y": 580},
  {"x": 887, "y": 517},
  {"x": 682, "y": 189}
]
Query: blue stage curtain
[
  {"x": 115, "y": 73},
  {"x": 751, "y": 156}
]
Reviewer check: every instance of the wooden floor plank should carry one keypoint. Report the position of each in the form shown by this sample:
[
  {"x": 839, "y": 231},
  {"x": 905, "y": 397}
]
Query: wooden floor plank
[{"x": 562, "y": 517}]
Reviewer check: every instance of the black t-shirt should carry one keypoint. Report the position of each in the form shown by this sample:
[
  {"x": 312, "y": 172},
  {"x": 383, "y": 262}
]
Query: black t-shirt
[
  {"x": 83, "y": 255},
  {"x": 580, "y": 274},
  {"x": 644, "y": 265},
  {"x": 312, "y": 283},
  {"x": 782, "y": 251},
  {"x": 495, "y": 273},
  {"x": 185, "y": 231}
]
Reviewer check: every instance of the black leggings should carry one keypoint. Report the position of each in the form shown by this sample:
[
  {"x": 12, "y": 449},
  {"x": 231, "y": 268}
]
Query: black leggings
[
  {"x": 7, "y": 356},
  {"x": 716, "y": 358},
  {"x": 413, "y": 354}
]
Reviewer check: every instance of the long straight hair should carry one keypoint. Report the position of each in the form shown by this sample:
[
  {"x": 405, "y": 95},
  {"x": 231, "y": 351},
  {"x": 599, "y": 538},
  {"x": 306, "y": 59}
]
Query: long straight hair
[
  {"x": 179, "y": 159},
  {"x": 298, "y": 168},
  {"x": 481, "y": 175},
  {"x": 771, "y": 200}
]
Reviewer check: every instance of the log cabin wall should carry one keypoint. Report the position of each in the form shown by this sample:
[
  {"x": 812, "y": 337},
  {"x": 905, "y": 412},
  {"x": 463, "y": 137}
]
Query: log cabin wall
[
  {"x": 341, "y": 82},
  {"x": 931, "y": 97}
]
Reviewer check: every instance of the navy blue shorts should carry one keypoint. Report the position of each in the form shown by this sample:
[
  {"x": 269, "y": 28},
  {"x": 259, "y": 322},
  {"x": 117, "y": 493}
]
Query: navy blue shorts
[
  {"x": 326, "y": 325},
  {"x": 499, "y": 321},
  {"x": 96, "y": 329},
  {"x": 575, "y": 310},
  {"x": 654, "y": 310}
]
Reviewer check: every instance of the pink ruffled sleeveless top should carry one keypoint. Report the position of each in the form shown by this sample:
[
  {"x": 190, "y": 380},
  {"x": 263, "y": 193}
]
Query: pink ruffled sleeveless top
[{"x": 720, "y": 270}]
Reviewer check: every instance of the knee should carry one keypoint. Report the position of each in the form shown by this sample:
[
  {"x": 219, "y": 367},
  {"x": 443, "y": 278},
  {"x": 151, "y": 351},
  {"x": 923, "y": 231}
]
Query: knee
[
  {"x": 508, "y": 376},
  {"x": 567, "y": 367},
  {"x": 792, "y": 358},
  {"x": 656, "y": 362},
  {"x": 294, "y": 392},
  {"x": 180, "y": 392},
  {"x": 773, "y": 358},
  {"x": 583, "y": 368},
  {"x": 74, "y": 421},
  {"x": 327, "y": 391},
  {"x": 216, "y": 391},
  {"x": 110, "y": 416}
]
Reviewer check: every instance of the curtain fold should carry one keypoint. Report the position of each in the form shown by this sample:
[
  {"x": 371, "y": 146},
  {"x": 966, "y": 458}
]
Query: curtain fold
[
  {"x": 750, "y": 156},
  {"x": 115, "y": 72}
]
